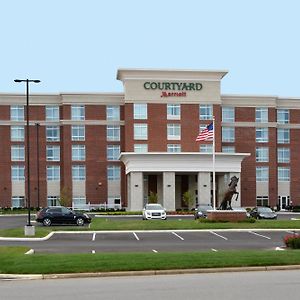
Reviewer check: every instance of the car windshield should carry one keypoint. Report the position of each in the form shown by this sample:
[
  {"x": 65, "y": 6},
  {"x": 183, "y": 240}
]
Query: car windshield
[
  {"x": 264, "y": 209},
  {"x": 154, "y": 207},
  {"x": 205, "y": 207}
]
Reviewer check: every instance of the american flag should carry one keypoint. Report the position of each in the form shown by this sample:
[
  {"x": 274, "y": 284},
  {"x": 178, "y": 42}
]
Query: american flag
[{"x": 206, "y": 134}]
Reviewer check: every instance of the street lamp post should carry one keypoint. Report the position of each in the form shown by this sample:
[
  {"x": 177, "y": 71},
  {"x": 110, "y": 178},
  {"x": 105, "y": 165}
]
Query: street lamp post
[{"x": 27, "y": 146}]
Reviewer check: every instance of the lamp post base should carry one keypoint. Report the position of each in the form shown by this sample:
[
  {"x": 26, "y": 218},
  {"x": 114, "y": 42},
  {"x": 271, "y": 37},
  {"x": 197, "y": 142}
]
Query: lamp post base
[{"x": 29, "y": 230}]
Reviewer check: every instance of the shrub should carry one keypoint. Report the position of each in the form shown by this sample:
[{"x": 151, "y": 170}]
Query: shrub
[{"x": 292, "y": 241}]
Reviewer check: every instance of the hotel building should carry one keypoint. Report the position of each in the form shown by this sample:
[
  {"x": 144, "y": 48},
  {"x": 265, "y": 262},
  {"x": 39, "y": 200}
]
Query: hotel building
[{"x": 116, "y": 148}]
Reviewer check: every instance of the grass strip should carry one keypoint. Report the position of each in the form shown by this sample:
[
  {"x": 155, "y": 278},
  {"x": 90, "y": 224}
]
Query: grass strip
[{"x": 14, "y": 261}]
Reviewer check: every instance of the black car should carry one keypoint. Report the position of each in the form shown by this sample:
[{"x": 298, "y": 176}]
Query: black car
[
  {"x": 262, "y": 212},
  {"x": 61, "y": 215},
  {"x": 201, "y": 211}
]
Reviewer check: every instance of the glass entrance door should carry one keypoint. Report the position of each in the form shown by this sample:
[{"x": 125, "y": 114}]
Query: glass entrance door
[{"x": 284, "y": 201}]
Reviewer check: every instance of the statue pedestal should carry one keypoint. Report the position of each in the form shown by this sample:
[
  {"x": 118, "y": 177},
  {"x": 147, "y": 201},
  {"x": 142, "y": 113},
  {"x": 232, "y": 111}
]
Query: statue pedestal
[{"x": 226, "y": 215}]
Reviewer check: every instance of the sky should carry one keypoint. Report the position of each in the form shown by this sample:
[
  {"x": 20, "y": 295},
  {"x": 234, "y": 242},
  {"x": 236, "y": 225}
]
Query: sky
[{"x": 78, "y": 45}]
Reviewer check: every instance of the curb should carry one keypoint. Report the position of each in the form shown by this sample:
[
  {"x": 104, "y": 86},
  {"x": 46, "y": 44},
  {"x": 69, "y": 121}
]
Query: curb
[{"x": 146, "y": 273}]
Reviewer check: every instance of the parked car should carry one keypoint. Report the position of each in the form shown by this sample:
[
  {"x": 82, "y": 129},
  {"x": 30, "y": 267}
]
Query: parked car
[
  {"x": 154, "y": 211},
  {"x": 262, "y": 212},
  {"x": 201, "y": 211},
  {"x": 61, "y": 215}
]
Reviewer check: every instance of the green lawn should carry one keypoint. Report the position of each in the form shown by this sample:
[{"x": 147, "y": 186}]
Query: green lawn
[{"x": 14, "y": 261}]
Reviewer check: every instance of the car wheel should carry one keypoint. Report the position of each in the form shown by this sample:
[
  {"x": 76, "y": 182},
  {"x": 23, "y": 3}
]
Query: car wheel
[
  {"x": 80, "y": 222},
  {"x": 47, "y": 222}
]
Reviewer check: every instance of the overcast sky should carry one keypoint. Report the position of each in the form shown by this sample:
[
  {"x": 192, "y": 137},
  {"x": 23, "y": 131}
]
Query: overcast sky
[{"x": 78, "y": 45}]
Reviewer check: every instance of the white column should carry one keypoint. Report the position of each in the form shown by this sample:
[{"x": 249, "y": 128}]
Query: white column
[
  {"x": 204, "y": 188},
  {"x": 169, "y": 190},
  {"x": 136, "y": 191},
  {"x": 238, "y": 189}
]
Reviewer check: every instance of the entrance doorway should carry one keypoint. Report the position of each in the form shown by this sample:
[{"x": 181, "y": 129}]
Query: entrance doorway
[{"x": 284, "y": 201}]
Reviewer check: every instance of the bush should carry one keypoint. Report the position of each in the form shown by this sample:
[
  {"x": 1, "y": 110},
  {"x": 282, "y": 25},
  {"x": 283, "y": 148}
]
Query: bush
[{"x": 292, "y": 241}]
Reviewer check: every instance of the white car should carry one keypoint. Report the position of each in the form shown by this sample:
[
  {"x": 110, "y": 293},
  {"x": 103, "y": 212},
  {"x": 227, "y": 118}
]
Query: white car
[{"x": 154, "y": 211}]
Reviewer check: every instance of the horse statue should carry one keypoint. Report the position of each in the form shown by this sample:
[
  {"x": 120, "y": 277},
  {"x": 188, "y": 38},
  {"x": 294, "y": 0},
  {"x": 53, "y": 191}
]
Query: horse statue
[{"x": 226, "y": 202}]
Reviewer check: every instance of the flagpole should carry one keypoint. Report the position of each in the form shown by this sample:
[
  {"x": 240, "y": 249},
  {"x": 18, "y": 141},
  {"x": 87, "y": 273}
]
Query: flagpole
[{"x": 213, "y": 167}]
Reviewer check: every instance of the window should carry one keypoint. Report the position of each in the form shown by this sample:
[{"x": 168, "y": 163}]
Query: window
[
  {"x": 52, "y": 133},
  {"x": 78, "y": 152},
  {"x": 228, "y": 134},
  {"x": 113, "y": 133},
  {"x": 173, "y": 111},
  {"x": 17, "y": 153},
  {"x": 283, "y": 116},
  {"x": 77, "y": 112},
  {"x": 262, "y": 135},
  {"x": 174, "y": 148},
  {"x": 262, "y": 154},
  {"x": 18, "y": 201},
  {"x": 205, "y": 112},
  {"x": 262, "y": 200},
  {"x": 228, "y": 114},
  {"x": 53, "y": 153},
  {"x": 261, "y": 114},
  {"x": 78, "y": 172},
  {"x": 113, "y": 112},
  {"x": 174, "y": 131},
  {"x": 113, "y": 172},
  {"x": 206, "y": 148},
  {"x": 283, "y": 136},
  {"x": 262, "y": 174},
  {"x": 53, "y": 173},
  {"x": 17, "y": 113},
  {"x": 283, "y": 155},
  {"x": 17, "y": 133},
  {"x": 228, "y": 149},
  {"x": 52, "y": 113},
  {"x": 18, "y": 173},
  {"x": 140, "y": 111},
  {"x": 53, "y": 201},
  {"x": 113, "y": 152},
  {"x": 140, "y": 148},
  {"x": 78, "y": 133},
  {"x": 283, "y": 174},
  {"x": 79, "y": 201},
  {"x": 140, "y": 131}
]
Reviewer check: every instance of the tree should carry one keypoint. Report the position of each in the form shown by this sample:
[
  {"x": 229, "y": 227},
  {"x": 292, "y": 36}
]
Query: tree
[
  {"x": 152, "y": 198},
  {"x": 188, "y": 198}
]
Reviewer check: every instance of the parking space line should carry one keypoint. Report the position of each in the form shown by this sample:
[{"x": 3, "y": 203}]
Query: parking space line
[
  {"x": 180, "y": 237},
  {"x": 94, "y": 236},
  {"x": 263, "y": 236},
  {"x": 221, "y": 236},
  {"x": 135, "y": 235}
]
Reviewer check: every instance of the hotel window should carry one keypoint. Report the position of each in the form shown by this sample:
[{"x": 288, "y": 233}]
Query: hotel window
[
  {"x": 262, "y": 135},
  {"x": 262, "y": 154},
  {"x": 283, "y": 136},
  {"x": 140, "y": 148},
  {"x": 283, "y": 116},
  {"x": 52, "y": 133},
  {"x": 53, "y": 153},
  {"x": 78, "y": 172},
  {"x": 113, "y": 112},
  {"x": 262, "y": 174},
  {"x": 79, "y": 201},
  {"x": 228, "y": 114},
  {"x": 140, "y": 111},
  {"x": 113, "y": 133},
  {"x": 261, "y": 114},
  {"x": 283, "y": 155},
  {"x": 53, "y": 201},
  {"x": 174, "y": 131},
  {"x": 113, "y": 172},
  {"x": 262, "y": 200},
  {"x": 174, "y": 148},
  {"x": 205, "y": 112},
  {"x": 113, "y": 152},
  {"x": 283, "y": 174},
  {"x": 173, "y": 111},
  {"x": 18, "y": 201},
  {"x": 18, "y": 173},
  {"x": 228, "y": 149},
  {"x": 17, "y": 133},
  {"x": 206, "y": 148},
  {"x": 78, "y": 133},
  {"x": 53, "y": 173},
  {"x": 52, "y": 113},
  {"x": 17, "y": 153},
  {"x": 78, "y": 152},
  {"x": 77, "y": 112},
  {"x": 228, "y": 134},
  {"x": 17, "y": 113},
  {"x": 140, "y": 131}
]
